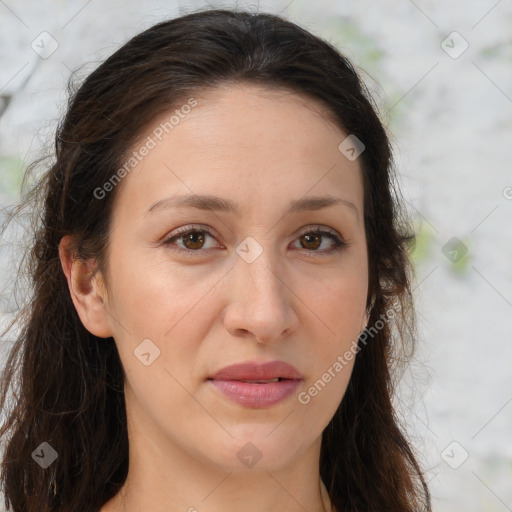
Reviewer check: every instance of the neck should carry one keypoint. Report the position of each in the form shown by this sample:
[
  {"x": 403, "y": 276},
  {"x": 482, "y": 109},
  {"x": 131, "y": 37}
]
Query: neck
[
  {"x": 169, "y": 480},
  {"x": 123, "y": 502},
  {"x": 164, "y": 476}
]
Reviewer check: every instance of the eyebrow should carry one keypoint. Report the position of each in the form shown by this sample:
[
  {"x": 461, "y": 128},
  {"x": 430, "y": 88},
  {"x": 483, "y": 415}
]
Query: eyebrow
[{"x": 215, "y": 203}]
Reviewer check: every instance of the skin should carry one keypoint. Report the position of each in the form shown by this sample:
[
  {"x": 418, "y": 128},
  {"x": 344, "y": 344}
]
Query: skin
[{"x": 260, "y": 148}]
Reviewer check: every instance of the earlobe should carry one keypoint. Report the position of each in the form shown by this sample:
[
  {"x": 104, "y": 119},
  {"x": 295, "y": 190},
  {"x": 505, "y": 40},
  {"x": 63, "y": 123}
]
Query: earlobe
[{"x": 87, "y": 291}]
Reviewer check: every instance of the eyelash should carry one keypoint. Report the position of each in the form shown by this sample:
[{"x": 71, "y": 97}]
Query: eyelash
[{"x": 180, "y": 233}]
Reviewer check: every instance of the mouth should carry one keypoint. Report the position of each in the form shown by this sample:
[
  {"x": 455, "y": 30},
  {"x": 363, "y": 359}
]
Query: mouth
[
  {"x": 256, "y": 385},
  {"x": 255, "y": 394},
  {"x": 255, "y": 372},
  {"x": 261, "y": 381},
  {"x": 254, "y": 381}
]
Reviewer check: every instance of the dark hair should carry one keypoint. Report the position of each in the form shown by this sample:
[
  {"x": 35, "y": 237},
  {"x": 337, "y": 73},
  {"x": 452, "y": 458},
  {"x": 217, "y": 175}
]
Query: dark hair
[{"x": 70, "y": 392}]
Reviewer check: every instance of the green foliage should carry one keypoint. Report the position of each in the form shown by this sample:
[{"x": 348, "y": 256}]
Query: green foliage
[
  {"x": 424, "y": 245},
  {"x": 11, "y": 175},
  {"x": 428, "y": 247},
  {"x": 461, "y": 267},
  {"x": 364, "y": 51}
]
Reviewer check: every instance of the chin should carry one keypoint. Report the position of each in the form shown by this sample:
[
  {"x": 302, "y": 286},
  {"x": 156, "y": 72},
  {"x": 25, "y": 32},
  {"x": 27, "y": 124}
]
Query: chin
[{"x": 256, "y": 450}]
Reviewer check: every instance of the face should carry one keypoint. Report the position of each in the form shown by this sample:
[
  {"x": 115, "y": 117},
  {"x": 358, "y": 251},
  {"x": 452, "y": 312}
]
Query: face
[{"x": 194, "y": 288}]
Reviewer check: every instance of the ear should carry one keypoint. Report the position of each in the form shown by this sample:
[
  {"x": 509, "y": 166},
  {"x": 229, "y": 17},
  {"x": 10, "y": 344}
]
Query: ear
[{"x": 87, "y": 290}]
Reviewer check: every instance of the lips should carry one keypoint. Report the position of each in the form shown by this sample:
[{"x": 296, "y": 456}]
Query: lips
[
  {"x": 257, "y": 372},
  {"x": 256, "y": 385}
]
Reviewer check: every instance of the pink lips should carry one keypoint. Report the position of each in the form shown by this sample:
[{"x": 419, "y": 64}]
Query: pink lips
[{"x": 232, "y": 381}]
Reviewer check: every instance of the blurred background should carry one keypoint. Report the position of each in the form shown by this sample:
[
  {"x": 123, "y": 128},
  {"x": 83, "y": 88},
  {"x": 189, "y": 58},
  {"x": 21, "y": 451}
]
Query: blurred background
[{"x": 440, "y": 73}]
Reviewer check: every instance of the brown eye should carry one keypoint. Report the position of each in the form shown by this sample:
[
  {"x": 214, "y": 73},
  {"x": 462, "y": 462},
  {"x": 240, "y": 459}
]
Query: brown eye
[
  {"x": 193, "y": 240},
  {"x": 313, "y": 241},
  {"x": 190, "y": 239}
]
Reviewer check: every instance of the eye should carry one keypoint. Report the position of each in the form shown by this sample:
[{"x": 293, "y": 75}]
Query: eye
[
  {"x": 311, "y": 240},
  {"x": 193, "y": 240}
]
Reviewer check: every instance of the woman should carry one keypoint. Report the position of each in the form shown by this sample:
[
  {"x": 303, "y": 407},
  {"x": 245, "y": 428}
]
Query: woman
[{"x": 218, "y": 267}]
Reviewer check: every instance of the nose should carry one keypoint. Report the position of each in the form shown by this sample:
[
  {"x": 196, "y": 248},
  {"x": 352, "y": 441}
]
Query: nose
[{"x": 260, "y": 301}]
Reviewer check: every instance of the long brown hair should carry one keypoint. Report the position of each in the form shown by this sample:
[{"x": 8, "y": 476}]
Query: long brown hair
[{"x": 68, "y": 383}]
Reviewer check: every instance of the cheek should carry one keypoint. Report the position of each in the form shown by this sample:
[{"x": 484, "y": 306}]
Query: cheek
[
  {"x": 323, "y": 392},
  {"x": 338, "y": 305},
  {"x": 152, "y": 295},
  {"x": 163, "y": 317},
  {"x": 339, "y": 301},
  {"x": 152, "y": 301}
]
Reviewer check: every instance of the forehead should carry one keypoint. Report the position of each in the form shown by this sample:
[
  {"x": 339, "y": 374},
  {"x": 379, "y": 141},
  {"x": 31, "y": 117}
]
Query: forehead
[
  {"x": 247, "y": 96},
  {"x": 244, "y": 110},
  {"x": 239, "y": 138}
]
